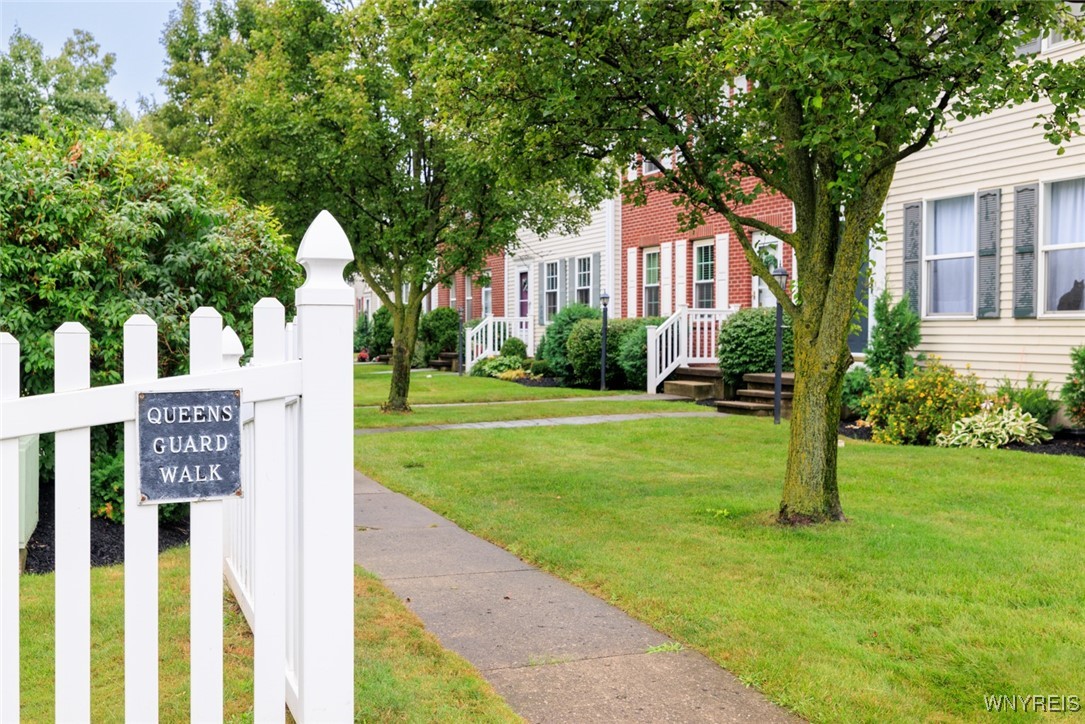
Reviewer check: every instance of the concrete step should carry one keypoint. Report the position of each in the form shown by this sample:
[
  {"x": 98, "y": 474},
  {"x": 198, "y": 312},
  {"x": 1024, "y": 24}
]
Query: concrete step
[
  {"x": 754, "y": 409},
  {"x": 697, "y": 372},
  {"x": 758, "y": 395},
  {"x": 692, "y": 390},
  {"x": 767, "y": 380}
]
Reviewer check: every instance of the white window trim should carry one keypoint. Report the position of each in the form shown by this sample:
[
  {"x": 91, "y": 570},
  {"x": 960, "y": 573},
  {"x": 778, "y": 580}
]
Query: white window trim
[
  {"x": 711, "y": 281},
  {"x": 487, "y": 301},
  {"x": 644, "y": 282},
  {"x": 547, "y": 290},
  {"x": 1044, "y": 211},
  {"x": 452, "y": 294},
  {"x": 755, "y": 281},
  {"x": 591, "y": 278},
  {"x": 648, "y": 168},
  {"x": 1049, "y": 43},
  {"x": 924, "y": 266}
]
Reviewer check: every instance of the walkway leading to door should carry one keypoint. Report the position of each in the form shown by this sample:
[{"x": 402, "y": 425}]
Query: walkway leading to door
[
  {"x": 555, "y": 652},
  {"x": 543, "y": 421}
]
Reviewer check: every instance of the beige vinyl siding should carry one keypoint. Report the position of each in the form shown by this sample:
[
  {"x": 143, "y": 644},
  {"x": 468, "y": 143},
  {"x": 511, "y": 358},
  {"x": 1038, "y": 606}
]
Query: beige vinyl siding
[{"x": 998, "y": 151}]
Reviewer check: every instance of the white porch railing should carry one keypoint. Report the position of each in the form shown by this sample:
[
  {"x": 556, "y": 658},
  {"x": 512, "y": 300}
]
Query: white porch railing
[
  {"x": 689, "y": 336},
  {"x": 486, "y": 338}
]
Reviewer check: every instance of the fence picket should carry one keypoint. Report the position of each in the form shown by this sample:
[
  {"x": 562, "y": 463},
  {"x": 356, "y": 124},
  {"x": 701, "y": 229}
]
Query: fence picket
[
  {"x": 140, "y": 543},
  {"x": 205, "y": 517},
  {"x": 9, "y": 540},
  {"x": 72, "y": 529},
  {"x": 269, "y": 549}
]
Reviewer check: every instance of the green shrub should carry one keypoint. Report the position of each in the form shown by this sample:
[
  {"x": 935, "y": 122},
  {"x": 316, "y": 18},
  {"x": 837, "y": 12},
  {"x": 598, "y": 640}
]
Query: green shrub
[
  {"x": 583, "y": 350},
  {"x": 363, "y": 331},
  {"x": 633, "y": 353},
  {"x": 479, "y": 369},
  {"x": 418, "y": 357},
  {"x": 440, "y": 330},
  {"x": 494, "y": 366},
  {"x": 514, "y": 347},
  {"x": 748, "y": 343},
  {"x": 555, "y": 341},
  {"x": 541, "y": 368},
  {"x": 895, "y": 335},
  {"x": 913, "y": 410},
  {"x": 382, "y": 333},
  {"x": 1073, "y": 392},
  {"x": 1032, "y": 398},
  {"x": 96, "y": 226},
  {"x": 993, "y": 428},
  {"x": 856, "y": 387}
]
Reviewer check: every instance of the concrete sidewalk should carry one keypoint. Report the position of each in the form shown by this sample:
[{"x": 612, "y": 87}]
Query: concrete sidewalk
[
  {"x": 537, "y": 422},
  {"x": 556, "y": 653}
]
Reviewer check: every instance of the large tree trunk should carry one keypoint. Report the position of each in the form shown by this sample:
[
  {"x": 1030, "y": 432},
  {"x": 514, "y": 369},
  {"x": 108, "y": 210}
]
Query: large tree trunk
[
  {"x": 405, "y": 329},
  {"x": 810, "y": 490}
]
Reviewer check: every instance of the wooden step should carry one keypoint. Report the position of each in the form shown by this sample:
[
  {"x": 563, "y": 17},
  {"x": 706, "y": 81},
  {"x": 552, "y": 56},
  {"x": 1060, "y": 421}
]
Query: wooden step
[
  {"x": 441, "y": 364},
  {"x": 697, "y": 372},
  {"x": 692, "y": 390},
  {"x": 762, "y": 378},
  {"x": 755, "y": 409},
  {"x": 785, "y": 394}
]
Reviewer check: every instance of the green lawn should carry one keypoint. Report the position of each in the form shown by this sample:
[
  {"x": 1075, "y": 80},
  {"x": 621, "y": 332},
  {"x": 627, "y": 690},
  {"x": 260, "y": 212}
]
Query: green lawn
[
  {"x": 401, "y": 673},
  {"x": 958, "y": 575},
  {"x": 367, "y": 417},
  {"x": 428, "y": 387}
]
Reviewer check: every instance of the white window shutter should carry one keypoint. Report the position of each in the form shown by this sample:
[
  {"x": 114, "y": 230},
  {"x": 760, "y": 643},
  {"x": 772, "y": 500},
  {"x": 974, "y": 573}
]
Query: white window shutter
[
  {"x": 681, "y": 262},
  {"x": 723, "y": 262},
  {"x": 666, "y": 274},
  {"x": 631, "y": 283}
]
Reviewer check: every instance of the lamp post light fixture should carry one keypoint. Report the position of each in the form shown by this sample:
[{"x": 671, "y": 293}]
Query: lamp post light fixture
[
  {"x": 780, "y": 275},
  {"x": 604, "y": 298}
]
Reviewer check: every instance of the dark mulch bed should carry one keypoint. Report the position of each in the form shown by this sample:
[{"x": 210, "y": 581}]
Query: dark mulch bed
[
  {"x": 541, "y": 382},
  {"x": 106, "y": 538},
  {"x": 1065, "y": 442}
]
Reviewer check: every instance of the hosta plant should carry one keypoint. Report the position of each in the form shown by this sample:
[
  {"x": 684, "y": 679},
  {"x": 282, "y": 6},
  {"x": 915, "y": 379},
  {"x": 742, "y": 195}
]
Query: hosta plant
[{"x": 994, "y": 428}]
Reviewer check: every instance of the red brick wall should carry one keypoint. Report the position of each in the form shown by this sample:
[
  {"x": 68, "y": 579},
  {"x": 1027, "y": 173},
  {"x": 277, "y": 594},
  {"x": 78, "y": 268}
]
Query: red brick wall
[
  {"x": 657, "y": 222},
  {"x": 496, "y": 265}
]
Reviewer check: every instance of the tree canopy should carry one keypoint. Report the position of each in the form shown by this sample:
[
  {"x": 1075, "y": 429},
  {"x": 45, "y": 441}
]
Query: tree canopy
[
  {"x": 817, "y": 101},
  {"x": 36, "y": 91},
  {"x": 307, "y": 106}
]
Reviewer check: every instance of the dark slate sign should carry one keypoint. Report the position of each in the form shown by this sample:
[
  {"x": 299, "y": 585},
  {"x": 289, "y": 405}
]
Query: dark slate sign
[{"x": 189, "y": 445}]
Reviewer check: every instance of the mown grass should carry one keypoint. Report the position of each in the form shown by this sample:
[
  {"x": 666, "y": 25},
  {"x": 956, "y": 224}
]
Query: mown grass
[
  {"x": 429, "y": 387},
  {"x": 370, "y": 417},
  {"x": 957, "y": 576},
  {"x": 401, "y": 672}
]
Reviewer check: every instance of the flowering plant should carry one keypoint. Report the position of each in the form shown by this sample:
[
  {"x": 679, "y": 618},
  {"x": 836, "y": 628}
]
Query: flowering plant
[{"x": 1073, "y": 392}]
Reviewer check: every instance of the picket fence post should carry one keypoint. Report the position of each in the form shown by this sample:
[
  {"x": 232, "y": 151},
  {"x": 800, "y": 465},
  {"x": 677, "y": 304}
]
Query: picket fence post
[
  {"x": 9, "y": 540},
  {"x": 140, "y": 543},
  {"x": 325, "y": 305}
]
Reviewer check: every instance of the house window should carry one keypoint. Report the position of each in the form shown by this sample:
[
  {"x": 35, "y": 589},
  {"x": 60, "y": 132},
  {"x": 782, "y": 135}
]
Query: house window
[
  {"x": 951, "y": 256},
  {"x": 649, "y": 167},
  {"x": 551, "y": 289},
  {"x": 487, "y": 301},
  {"x": 467, "y": 299},
  {"x": 452, "y": 294},
  {"x": 583, "y": 280},
  {"x": 651, "y": 283},
  {"x": 704, "y": 275},
  {"x": 1064, "y": 247},
  {"x": 1057, "y": 37}
]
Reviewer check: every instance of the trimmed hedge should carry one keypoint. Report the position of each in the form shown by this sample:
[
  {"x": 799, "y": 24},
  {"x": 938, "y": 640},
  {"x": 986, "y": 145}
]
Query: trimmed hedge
[
  {"x": 381, "y": 336},
  {"x": 748, "y": 343},
  {"x": 584, "y": 346},
  {"x": 440, "y": 330},
  {"x": 555, "y": 341},
  {"x": 514, "y": 347}
]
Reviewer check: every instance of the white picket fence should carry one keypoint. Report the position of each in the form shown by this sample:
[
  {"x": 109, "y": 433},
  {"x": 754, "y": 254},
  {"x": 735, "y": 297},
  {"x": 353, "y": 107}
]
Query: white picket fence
[
  {"x": 486, "y": 338},
  {"x": 286, "y": 547},
  {"x": 689, "y": 336}
]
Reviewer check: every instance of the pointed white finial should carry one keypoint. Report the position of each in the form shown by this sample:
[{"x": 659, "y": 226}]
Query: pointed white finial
[
  {"x": 324, "y": 252},
  {"x": 232, "y": 349}
]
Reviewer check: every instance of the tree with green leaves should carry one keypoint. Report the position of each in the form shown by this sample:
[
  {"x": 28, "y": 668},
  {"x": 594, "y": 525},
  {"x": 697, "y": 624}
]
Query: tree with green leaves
[
  {"x": 36, "y": 91},
  {"x": 337, "y": 107},
  {"x": 818, "y": 101}
]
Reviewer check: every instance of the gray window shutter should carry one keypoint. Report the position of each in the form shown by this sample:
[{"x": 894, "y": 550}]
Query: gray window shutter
[
  {"x": 989, "y": 227},
  {"x": 596, "y": 279},
  {"x": 913, "y": 243},
  {"x": 542, "y": 293},
  {"x": 570, "y": 280},
  {"x": 563, "y": 287},
  {"x": 1025, "y": 207}
]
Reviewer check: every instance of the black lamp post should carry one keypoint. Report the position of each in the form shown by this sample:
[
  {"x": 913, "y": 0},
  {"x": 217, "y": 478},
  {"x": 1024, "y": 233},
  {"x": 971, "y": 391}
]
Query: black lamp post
[
  {"x": 780, "y": 275},
  {"x": 605, "y": 299},
  {"x": 460, "y": 342}
]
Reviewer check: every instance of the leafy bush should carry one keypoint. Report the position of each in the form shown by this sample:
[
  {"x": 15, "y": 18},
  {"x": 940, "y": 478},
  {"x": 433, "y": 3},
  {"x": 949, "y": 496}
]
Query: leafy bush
[
  {"x": 439, "y": 329},
  {"x": 382, "y": 333},
  {"x": 494, "y": 366},
  {"x": 748, "y": 343},
  {"x": 555, "y": 341},
  {"x": 479, "y": 369},
  {"x": 1032, "y": 398},
  {"x": 856, "y": 387},
  {"x": 584, "y": 347},
  {"x": 633, "y": 353},
  {"x": 512, "y": 375},
  {"x": 541, "y": 368},
  {"x": 896, "y": 333},
  {"x": 1073, "y": 392},
  {"x": 994, "y": 428},
  {"x": 96, "y": 226},
  {"x": 913, "y": 410},
  {"x": 363, "y": 331},
  {"x": 514, "y": 347},
  {"x": 418, "y": 357}
]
